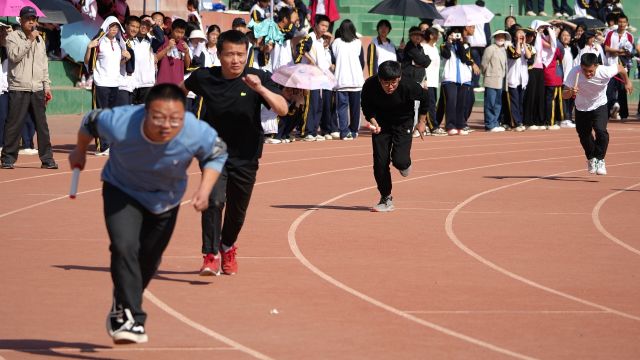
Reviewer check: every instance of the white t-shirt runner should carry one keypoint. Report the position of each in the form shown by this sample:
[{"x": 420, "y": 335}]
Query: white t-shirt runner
[{"x": 592, "y": 93}]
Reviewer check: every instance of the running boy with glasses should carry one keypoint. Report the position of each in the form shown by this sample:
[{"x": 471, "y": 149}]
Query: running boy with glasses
[{"x": 145, "y": 179}]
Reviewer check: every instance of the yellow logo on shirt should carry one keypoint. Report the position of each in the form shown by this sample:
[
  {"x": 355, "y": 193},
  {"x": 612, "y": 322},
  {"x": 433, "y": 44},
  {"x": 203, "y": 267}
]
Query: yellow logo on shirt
[{"x": 243, "y": 93}]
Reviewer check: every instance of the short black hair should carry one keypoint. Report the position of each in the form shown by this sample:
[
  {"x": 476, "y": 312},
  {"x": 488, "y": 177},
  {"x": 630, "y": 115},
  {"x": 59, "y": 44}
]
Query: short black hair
[
  {"x": 589, "y": 59},
  {"x": 622, "y": 16},
  {"x": 234, "y": 37},
  {"x": 321, "y": 17},
  {"x": 389, "y": 70},
  {"x": 431, "y": 32},
  {"x": 165, "y": 91},
  {"x": 194, "y": 3},
  {"x": 284, "y": 13},
  {"x": 179, "y": 24},
  {"x": 132, "y": 18},
  {"x": 383, "y": 22},
  {"x": 213, "y": 28},
  {"x": 157, "y": 13}
]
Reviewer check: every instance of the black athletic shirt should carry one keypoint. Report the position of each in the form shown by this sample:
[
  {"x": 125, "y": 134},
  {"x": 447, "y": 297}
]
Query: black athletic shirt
[
  {"x": 233, "y": 109},
  {"x": 396, "y": 108}
]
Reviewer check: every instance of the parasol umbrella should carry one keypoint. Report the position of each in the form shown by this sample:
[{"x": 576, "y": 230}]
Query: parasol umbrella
[
  {"x": 58, "y": 11},
  {"x": 75, "y": 38},
  {"x": 304, "y": 76},
  {"x": 464, "y": 15},
  {"x": 589, "y": 23},
  {"x": 13, "y": 7},
  {"x": 404, "y": 8}
]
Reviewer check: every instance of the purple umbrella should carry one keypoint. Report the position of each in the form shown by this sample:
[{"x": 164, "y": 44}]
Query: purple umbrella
[{"x": 13, "y": 7}]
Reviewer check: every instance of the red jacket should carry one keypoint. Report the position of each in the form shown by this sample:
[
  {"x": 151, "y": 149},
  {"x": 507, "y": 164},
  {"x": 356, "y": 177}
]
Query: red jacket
[
  {"x": 330, "y": 8},
  {"x": 553, "y": 74}
]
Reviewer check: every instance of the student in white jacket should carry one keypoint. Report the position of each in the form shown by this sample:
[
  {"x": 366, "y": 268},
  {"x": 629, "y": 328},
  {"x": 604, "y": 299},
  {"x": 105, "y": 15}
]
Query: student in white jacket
[{"x": 347, "y": 49}]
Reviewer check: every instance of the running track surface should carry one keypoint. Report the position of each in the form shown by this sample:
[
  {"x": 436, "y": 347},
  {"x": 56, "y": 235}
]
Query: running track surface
[{"x": 501, "y": 246}]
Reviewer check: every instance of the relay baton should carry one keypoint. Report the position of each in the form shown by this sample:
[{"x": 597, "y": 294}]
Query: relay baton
[{"x": 75, "y": 177}]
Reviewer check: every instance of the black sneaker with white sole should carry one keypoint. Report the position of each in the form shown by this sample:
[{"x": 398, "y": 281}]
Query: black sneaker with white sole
[{"x": 123, "y": 328}]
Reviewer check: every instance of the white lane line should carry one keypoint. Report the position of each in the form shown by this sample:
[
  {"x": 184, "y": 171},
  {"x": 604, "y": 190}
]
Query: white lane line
[
  {"x": 304, "y": 261},
  {"x": 203, "y": 329},
  {"x": 505, "y": 312},
  {"x": 94, "y": 350},
  {"x": 595, "y": 216},
  {"x": 44, "y": 202},
  {"x": 44, "y": 176},
  {"x": 454, "y": 238}
]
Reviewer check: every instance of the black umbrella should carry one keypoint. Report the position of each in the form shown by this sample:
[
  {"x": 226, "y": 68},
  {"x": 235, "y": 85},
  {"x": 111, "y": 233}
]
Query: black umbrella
[
  {"x": 589, "y": 23},
  {"x": 404, "y": 8},
  {"x": 58, "y": 11}
]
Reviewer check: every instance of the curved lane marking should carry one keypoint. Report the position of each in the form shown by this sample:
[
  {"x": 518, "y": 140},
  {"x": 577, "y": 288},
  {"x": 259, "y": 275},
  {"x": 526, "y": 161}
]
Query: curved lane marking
[
  {"x": 452, "y": 236},
  {"x": 595, "y": 216}
]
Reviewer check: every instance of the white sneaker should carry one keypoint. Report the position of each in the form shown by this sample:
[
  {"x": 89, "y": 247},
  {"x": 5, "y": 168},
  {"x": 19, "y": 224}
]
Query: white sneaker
[
  {"x": 554, "y": 127},
  {"x": 558, "y": 14},
  {"x": 273, "y": 141},
  {"x": 103, "y": 153},
  {"x": 416, "y": 133},
  {"x": 309, "y": 138},
  {"x": 497, "y": 129},
  {"x": 463, "y": 132},
  {"x": 349, "y": 137},
  {"x": 28, "y": 152},
  {"x": 542, "y": 127},
  {"x": 532, "y": 127},
  {"x": 601, "y": 169},
  {"x": 542, "y": 13},
  {"x": 530, "y": 13},
  {"x": 520, "y": 128},
  {"x": 439, "y": 132},
  {"x": 385, "y": 204},
  {"x": 592, "y": 165},
  {"x": 335, "y": 135},
  {"x": 328, "y": 137},
  {"x": 615, "y": 112},
  {"x": 452, "y": 132},
  {"x": 566, "y": 14},
  {"x": 320, "y": 138}
]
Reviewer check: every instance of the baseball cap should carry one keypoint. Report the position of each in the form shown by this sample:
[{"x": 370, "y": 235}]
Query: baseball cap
[
  {"x": 27, "y": 12},
  {"x": 238, "y": 22}
]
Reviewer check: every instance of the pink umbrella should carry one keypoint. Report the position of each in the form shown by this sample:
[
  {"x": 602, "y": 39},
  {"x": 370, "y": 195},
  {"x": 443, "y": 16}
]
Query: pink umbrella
[
  {"x": 13, "y": 7},
  {"x": 304, "y": 76}
]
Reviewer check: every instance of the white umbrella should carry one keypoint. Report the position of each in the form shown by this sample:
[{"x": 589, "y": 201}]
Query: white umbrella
[
  {"x": 304, "y": 76},
  {"x": 464, "y": 15}
]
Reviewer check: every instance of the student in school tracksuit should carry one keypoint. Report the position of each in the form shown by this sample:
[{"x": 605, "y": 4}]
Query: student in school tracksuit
[
  {"x": 553, "y": 77},
  {"x": 381, "y": 48},
  {"x": 456, "y": 81},
  {"x": 145, "y": 44},
  {"x": 310, "y": 50},
  {"x": 518, "y": 56},
  {"x": 105, "y": 55}
]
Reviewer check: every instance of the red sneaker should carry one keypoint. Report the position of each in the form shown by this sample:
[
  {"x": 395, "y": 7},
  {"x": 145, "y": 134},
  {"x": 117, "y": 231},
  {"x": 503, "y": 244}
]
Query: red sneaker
[
  {"x": 229, "y": 263},
  {"x": 210, "y": 265}
]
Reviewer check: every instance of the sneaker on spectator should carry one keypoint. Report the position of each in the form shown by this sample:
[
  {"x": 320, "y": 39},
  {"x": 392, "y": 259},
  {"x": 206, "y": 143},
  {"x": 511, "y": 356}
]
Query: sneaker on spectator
[
  {"x": 427, "y": 133},
  {"x": 452, "y": 132},
  {"x": 123, "y": 328},
  {"x": 309, "y": 138},
  {"x": 554, "y": 127},
  {"x": 272, "y": 141},
  {"x": 51, "y": 165},
  {"x": 229, "y": 263},
  {"x": 210, "y": 265},
  {"x": 519, "y": 128},
  {"x": 385, "y": 204},
  {"x": 530, "y": 13},
  {"x": 102, "y": 153},
  {"x": 335, "y": 135},
  {"x": 468, "y": 129},
  {"x": 463, "y": 132},
  {"x": 615, "y": 112},
  {"x": 286, "y": 141},
  {"x": 566, "y": 14},
  {"x": 416, "y": 133},
  {"x": 439, "y": 132},
  {"x": 567, "y": 124},
  {"x": 405, "y": 172},
  {"x": 542, "y": 13},
  {"x": 328, "y": 137},
  {"x": 592, "y": 165},
  {"x": 532, "y": 127},
  {"x": 558, "y": 14},
  {"x": 28, "y": 151},
  {"x": 320, "y": 138},
  {"x": 496, "y": 129},
  {"x": 542, "y": 127},
  {"x": 7, "y": 166},
  {"x": 601, "y": 169},
  {"x": 349, "y": 137}
]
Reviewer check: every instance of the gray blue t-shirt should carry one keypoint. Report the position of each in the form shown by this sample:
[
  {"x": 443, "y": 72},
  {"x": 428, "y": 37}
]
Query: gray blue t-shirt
[{"x": 154, "y": 174}]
